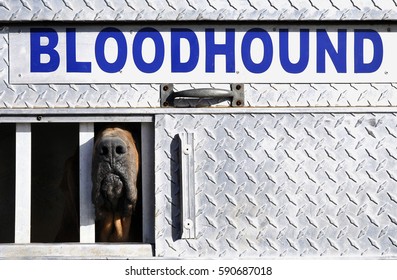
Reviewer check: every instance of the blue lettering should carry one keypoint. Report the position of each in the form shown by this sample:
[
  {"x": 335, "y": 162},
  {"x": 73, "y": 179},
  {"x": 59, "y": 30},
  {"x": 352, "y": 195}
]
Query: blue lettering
[
  {"x": 37, "y": 50},
  {"x": 72, "y": 65},
  {"x": 176, "y": 35},
  {"x": 262, "y": 66},
  {"x": 359, "y": 65},
  {"x": 301, "y": 65},
  {"x": 140, "y": 36},
  {"x": 212, "y": 49},
  {"x": 338, "y": 57},
  {"x": 103, "y": 63}
]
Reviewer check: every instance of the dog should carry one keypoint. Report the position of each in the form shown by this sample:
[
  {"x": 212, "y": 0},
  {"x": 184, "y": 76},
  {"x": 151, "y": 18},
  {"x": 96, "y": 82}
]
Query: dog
[{"x": 115, "y": 167}]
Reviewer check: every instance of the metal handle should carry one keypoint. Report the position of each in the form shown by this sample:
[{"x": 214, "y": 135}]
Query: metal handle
[
  {"x": 188, "y": 193},
  {"x": 236, "y": 93}
]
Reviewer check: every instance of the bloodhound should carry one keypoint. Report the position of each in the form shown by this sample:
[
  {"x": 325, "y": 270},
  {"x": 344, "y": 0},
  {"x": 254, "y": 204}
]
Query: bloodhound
[{"x": 115, "y": 166}]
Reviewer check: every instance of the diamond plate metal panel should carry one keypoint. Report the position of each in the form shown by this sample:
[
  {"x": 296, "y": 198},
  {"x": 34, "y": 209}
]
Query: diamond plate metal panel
[
  {"x": 281, "y": 185},
  {"x": 147, "y": 95},
  {"x": 321, "y": 95},
  {"x": 136, "y": 10}
]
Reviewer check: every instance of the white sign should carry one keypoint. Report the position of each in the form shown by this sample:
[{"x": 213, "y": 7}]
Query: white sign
[{"x": 203, "y": 54}]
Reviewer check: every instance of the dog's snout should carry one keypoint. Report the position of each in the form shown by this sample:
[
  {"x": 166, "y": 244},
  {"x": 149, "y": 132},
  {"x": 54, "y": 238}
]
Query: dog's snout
[{"x": 111, "y": 147}]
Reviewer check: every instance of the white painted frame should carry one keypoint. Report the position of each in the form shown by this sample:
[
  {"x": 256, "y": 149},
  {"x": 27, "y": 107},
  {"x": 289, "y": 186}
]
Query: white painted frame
[
  {"x": 87, "y": 213},
  {"x": 23, "y": 190}
]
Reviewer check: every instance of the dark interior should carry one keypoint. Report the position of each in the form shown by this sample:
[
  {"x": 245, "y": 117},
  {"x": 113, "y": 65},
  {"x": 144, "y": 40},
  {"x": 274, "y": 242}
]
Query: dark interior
[
  {"x": 52, "y": 145},
  {"x": 7, "y": 183}
]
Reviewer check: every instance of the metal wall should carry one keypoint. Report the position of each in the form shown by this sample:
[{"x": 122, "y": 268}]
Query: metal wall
[{"x": 303, "y": 170}]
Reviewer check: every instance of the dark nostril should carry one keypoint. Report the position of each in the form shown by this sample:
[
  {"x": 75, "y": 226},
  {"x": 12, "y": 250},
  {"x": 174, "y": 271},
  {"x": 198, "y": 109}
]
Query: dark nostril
[
  {"x": 120, "y": 150},
  {"x": 104, "y": 151}
]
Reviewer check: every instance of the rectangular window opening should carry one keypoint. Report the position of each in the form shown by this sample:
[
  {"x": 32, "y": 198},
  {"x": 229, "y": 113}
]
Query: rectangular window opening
[
  {"x": 45, "y": 169},
  {"x": 55, "y": 179}
]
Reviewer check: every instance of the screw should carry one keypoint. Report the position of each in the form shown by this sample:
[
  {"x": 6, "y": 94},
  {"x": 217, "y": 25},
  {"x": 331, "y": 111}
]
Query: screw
[
  {"x": 238, "y": 87},
  {"x": 166, "y": 104},
  {"x": 165, "y": 88},
  {"x": 39, "y": 118},
  {"x": 239, "y": 103}
]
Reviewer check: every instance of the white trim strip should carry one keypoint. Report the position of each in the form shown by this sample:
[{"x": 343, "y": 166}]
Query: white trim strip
[
  {"x": 23, "y": 182},
  {"x": 87, "y": 215}
]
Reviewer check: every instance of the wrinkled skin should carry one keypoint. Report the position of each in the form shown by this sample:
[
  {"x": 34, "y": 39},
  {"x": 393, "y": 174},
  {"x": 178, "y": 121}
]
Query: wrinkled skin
[{"x": 115, "y": 166}]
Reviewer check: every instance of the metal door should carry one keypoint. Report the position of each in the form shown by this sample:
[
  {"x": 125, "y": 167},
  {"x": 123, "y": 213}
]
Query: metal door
[{"x": 278, "y": 185}]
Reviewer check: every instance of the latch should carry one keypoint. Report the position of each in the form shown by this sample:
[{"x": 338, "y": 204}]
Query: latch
[{"x": 169, "y": 96}]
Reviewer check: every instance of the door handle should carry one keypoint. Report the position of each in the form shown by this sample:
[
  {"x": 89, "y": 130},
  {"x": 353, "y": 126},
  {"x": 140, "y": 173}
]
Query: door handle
[
  {"x": 169, "y": 95},
  {"x": 187, "y": 185}
]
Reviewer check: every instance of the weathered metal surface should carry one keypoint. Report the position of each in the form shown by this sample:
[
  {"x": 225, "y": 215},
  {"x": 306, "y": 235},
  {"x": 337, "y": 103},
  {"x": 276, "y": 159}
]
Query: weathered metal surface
[
  {"x": 281, "y": 185},
  {"x": 136, "y": 10}
]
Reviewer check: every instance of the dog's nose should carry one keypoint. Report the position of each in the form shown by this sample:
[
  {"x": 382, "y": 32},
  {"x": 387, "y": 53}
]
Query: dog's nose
[{"x": 111, "y": 147}]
